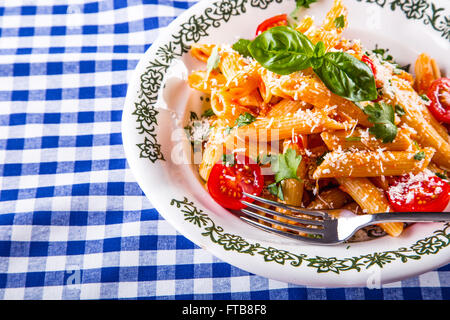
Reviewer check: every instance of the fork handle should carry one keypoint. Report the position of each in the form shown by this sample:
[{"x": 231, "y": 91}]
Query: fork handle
[{"x": 411, "y": 217}]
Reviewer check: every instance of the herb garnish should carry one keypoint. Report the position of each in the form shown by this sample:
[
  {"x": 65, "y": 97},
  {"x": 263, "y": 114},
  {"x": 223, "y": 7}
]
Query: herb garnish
[
  {"x": 419, "y": 156},
  {"x": 339, "y": 22},
  {"x": 244, "y": 119},
  {"x": 399, "y": 110},
  {"x": 228, "y": 159},
  {"x": 284, "y": 50},
  {"x": 208, "y": 113},
  {"x": 353, "y": 139},
  {"x": 383, "y": 118},
  {"x": 284, "y": 167}
]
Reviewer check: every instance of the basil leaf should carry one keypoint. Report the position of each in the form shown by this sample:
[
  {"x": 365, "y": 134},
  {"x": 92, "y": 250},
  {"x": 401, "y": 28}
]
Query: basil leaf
[
  {"x": 347, "y": 77},
  {"x": 282, "y": 50},
  {"x": 241, "y": 46}
]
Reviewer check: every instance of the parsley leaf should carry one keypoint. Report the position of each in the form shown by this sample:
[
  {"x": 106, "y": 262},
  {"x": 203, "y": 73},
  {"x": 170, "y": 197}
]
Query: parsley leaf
[
  {"x": 244, "y": 119},
  {"x": 441, "y": 175},
  {"x": 321, "y": 158},
  {"x": 399, "y": 110},
  {"x": 228, "y": 159},
  {"x": 276, "y": 190},
  {"x": 241, "y": 46},
  {"x": 353, "y": 139},
  {"x": 304, "y": 3},
  {"x": 265, "y": 159},
  {"x": 285, "y": 165},
  {"x": 208, "y": 113},
  {"x": 339, "y": 22},
  {"x": 383, "y": 118},
  {"x": 419, "y": 156},
  {"x": 213, "y": 61}
]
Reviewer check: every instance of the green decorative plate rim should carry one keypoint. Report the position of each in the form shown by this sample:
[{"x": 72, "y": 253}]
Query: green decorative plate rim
[{"x": 231, "y": 242}]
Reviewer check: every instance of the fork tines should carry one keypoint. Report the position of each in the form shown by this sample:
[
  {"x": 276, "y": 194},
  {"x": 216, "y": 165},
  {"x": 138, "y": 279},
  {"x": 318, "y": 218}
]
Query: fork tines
[{"x": 291, "y": 226}]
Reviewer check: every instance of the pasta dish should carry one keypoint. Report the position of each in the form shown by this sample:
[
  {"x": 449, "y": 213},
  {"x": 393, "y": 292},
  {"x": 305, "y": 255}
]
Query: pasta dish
[{"x": 301, "y": 115}]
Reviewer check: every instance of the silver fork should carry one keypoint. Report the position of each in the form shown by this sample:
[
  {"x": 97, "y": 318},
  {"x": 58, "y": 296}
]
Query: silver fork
[{"x": 325, "y": 226}]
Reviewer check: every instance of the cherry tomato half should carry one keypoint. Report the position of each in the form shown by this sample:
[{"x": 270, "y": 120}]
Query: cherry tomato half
[
  {"x": 427, "y": 194},
  {"x": 280, "y": 20},
  {"x": 439, "y": 94},
  {"x": 370, "y": 63},
  {"x": 226, "y": 182}
]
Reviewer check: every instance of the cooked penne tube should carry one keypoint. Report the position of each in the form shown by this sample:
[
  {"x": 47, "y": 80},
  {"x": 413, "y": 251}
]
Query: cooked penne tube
[
  {"x": 372, "y": 163},
  {"x": 427, "y": 71},
  {"x": 362, "y": 140},
  {"x": 293, "y": 188},
  {"x": 286, "y": 107},
  {"x": 284, "y": 127},
  {"x": 214, "y": 149},
  {"x": 329, "y": 199},
  {"x": 261, "y": 114},
  {"x": 198, "y": 80},
  {"x": 309, "y": 88},
  {"x": 201, "y": 51},
  {"x": 426, "y": 133},
  {"x": 371, "y": 200}
]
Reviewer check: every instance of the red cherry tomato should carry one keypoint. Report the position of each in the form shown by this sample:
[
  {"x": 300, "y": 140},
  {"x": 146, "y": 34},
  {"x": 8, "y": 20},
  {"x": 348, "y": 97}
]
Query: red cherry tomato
[
  {"x": 370, "y": 63},
  {"x": 280, "y": 20},
  {"x": 226, "y": 182},
  {"x": 439, "y": 94},
  {"x": 420, "y": 193}
]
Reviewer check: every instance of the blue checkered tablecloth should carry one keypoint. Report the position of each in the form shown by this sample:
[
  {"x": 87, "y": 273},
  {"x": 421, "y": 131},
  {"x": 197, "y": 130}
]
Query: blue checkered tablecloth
[{"x": 74, "y": 223}]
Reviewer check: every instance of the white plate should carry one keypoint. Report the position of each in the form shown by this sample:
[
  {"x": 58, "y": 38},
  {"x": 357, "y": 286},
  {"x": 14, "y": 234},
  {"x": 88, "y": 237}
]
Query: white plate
[{"x": 158, "y": 102}]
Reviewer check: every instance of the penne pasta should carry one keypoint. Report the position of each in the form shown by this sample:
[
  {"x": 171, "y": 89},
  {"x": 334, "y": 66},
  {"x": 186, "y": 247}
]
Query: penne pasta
[
  {"x": 303, "y": 144},
  {"x": 371, "y": 164},
  {"x": 362, "y": 140},
  {"x": 371, "y": 200}
]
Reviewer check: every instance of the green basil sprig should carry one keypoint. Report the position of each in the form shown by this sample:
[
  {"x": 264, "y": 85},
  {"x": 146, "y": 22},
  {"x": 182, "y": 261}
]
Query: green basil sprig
[{"x": 284, "y": 50}]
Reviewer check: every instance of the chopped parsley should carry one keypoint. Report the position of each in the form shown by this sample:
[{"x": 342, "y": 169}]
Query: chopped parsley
[
  {"x": 244, "y": 119},
  {"x": 339, "y": 22},
  {"x": 284, "y": 167},
  {"x": 384, "y": 56},
  {"x": 263, "y": 160},
  {"x": 208, "y": 113},
  {"x": 425, "y": 98},
  {"x": 304, "y": 3},
  {"x": 352, "y": 138},
  {"x": 399, "y": 110},
  {"x": 383, "y": 118},
  {"x": 419, "y": 156},
  {"x": 228, "y": 160},
  {"x": 441, "y": 175},
  {"x": 276, "y": 190},
  {"x": 321, "y": 158}
]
